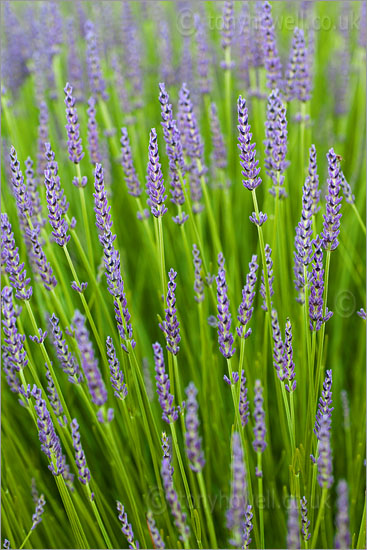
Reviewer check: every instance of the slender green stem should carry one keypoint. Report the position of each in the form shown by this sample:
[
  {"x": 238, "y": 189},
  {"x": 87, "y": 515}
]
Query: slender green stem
[
  {"x": 320, "y": 516},
  {"x": 208, "y": 512},
  {"x": 85, "y": 215},
  {"x": 161, "y": 255},
  {"x": 360, "y": 221},
  {"x": 261, "y": 499}
]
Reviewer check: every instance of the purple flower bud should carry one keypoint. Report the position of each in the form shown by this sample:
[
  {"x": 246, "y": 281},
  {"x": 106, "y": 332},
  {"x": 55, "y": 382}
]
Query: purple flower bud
[
  {"x": 342, "y": 537},
  {"x": 170, "y": 326},
  {"x": 192, "y": 439},
  {"x": 81, "y": 463},
  {"x": 131, "y": 178},
  {"x": 117, "y": 376},
  {"x": 269, "y": 266},
  {"x": 40, "y": 338},
  {"x": 238, "y": 501},
  {"x": 79, "y": 288},
  {"x": 305, "y": 521},
  {"x": 362, "y": 314},
  {"x": 93, "y": 140},
  {"x": 288, "y": 358},
  {"x": 225, "y": 337},
  {"x": 10, "y": 259},
  {"x": 90, "y": 368},
  {"x": 258, "y": 220},
  {"x": 246, "y": 309},
  {"x": 317, "y": 289},
  {"x": 37, "y": 516},
  {"x": 293, "y": 539},
  {"x": 169, "y": 413},
  {"x": 155, "y": 184},
  {"x": 271, "y": 56},
  {"x": 244, "y": 402},
  {"x": 259, "y": 443},
  {"x": 154, "y": 532},
  {"x": 75, "y": 147},
  {"x": 332, "y": 216},
  {"x": 126, "y": 526},
  {"x": 249, "y": 164},
  {"x": 67, "y": 360},
  {"x": 96, "y": 81}
]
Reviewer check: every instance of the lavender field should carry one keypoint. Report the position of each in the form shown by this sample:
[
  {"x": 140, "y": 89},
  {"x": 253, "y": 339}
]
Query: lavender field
[{"x": 183, "y": 298}]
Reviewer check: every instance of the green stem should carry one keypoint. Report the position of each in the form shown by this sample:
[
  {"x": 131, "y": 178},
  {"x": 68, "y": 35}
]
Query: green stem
[
  {"x": 261, "y": 503},
  {"x": 320, "y": 516},
  {"x": 208, "y": 512}
]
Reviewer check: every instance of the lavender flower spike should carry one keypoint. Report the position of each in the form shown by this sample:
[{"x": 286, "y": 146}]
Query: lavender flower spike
[
  {"x": 278, "y": 346},
  {"x": 271, "y": 56},
  {"x": 238, "y": 501},
  {"x": 131, "y": 177},
  {"x": 170, "y": 326},
  {"x": 37, "y": 516},
  {"x": 293, "y": 539},
  {"x": 246, "y": 539},
  {"x": 169, "y": 413},
  {"x": 117, "y": 376},
  {"x": 93, "y": 141},
  {"x": 56, "y": 207},
  {"x": 14, "y": 356},
  {"x": 288, "y": 358},
  {"x": 312, "y": 180},
  {"x": 75, "y": 147},
  {"x": 305, "y": 521},
  {"x": 225, "y": 337},
  {"x": 154, "y": 532},
  {"x": 317, "y": 290},
  {"x": 342, "y": 538},
  {"x": 10, "y": 257},
  {"x": 53, "y": 396},
  {"x": 192, "y": 439},
  {"x": 198, "y": 284},
  {"x": 155, "y": 184},
  {"x": 332, "y": 216},
  {"x": 244, "y": 402},
  {"x": 228, "y": 24},
  {"x": 362, "y": 314},
  {"x": 269, "y": 266},
  {"x": 249, "y": 164},
  {"x": 126, "y": 527},
  {"x": 219, "y": 148},
  {"x": 259, "y": 443},
  {"x": 96, "y": 81},
  {"x": 24, "y": 203},
  {"x": 324, "y": 461},
  {"x": 84, "y": 473},
  {"x": 246, "y": 309},
  {"x": 90, "y": 368},
  {"x": 67, "y": 360},
  {"x": 172, "y": 499},
  {"x": 325, "y": 402}
]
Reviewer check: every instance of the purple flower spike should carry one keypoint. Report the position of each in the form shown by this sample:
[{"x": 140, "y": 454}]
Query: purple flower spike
[
  {"x": 347, "y": 191},
  {"x": 249, "y": 164},
  {"x": 258, "y": 220},
  {"x": 169, "y": 413},
  {"x": 56, "y": 208},
  {"x": 155, "y": 184},
  {"x": 117, "y": 376},
  {"x": 79, "y": 288},
  {"x": 332, "y": 217},
  {"x": 96, "y": 81},
  {"x": 10, "y": 258},
  {"x": 305, "y": 521},
  {"x": 293, "y": 539},
  {"x": 93, "y": 140},
  {"x": 246, "y": 309},
  {"x": 325, "y": 402},
  {"x": 14, "y": 357},
  {"x": 192, "y": 439},
  {"x": 75, "y": 147},
  {"x": 259, "y": 443},
  {"x": 298, "y": 76},
  {"x": 81, "y": 463},
  {"x": 225, "y": 337},
  {"x": 199, "y": 284},
  {"x": 43, "y": 137},
  {"x": 174, "y": 150},
  {"x": 228, "y": 24},
  {"x": 219, "y": 149},
  {"x": 40, "y": 338},
  {"x": 324, "y": 461},
  {"x": 90, "y": 368},
  {"x": 67, "y": 360},
  {"x": 33, "y": 194},
  {"x": 317, "y": 290},
  {"x": 154, "y": 532},
  {"x": 244, "y": 402},
  {"x": 288, "y": 358},
  {"x": 247, "y": 528},
  {"x": 172, "y": 499},
  {"x": 342, "y": 537},
  {"x": 53, "y": 396},
  {"x": 278, "y": 346},
  {"x": 131, "y": 177},
  {"x": 237, "y": 504},
  {"x": 276, "y": 143},
  {"x": 170, "y": 326},
  {"x": 269, "y": 266},
  {"x": 203, "y": 61},
  {"x": 271, "y": 56},
  {"x": 312, "y": 180},
  {"x": 24, "y": 203},
  {"x": 362, "y": 314},
  {"x": 37, "y": 516},
  {"x": 126, "y": 526}
]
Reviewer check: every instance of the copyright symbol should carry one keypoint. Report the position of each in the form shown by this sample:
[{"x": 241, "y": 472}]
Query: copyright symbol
[
  {"x": 156, "y": 501},
  {"x": 185, "y": 22},
  {"x": 345, "y": 303}
]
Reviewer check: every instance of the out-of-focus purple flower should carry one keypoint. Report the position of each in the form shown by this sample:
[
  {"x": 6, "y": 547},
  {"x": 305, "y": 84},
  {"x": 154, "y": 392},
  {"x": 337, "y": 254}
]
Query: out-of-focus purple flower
[
  {"x": 238, "y": 501},
  {"x": 165, "y": 50},
  {"x": 225, "y": 337},
  {"x": 172, "y": 499},
  {"x": 194, "y": 451},
  {"x": 93, "y": 141},
  {"x": 362, "y": 37},
  {"x": 249, "y": 164},
  {"x": 117, "y": 376},
  {"x": 37, "y": 516},
  {"x": 10, "y": 259},
  {"x": 259, "y": 443},
  {"x": 324, "y": 460},
  {"x": 119, "y": 82},
  {"x": 297, "y": 76},
  {"x": 132, "y": 55},
  {"x": 288, "y": 358},
  {"x": 126, "y": 526},
  {"x": 154, "y": 532},
  {"x": 53, "y": 396},
  {"x": 170, "y": 326},
  {"x": 246, "y": 309},
  {"x": 81, "y": 463},
  {"x": 258, "y": 220},
  {"x": 33, "y": 194},
  {"x": 247, "y": 528},
  {"x": 42, "y": 139},
  {"x": 155, "y": 184},
  {"x": 317, "y": 290},
  {"x": 96, "y": 386},
  {"x": 198, "y": 284},
  {"x": 276, "y": 143},
  {"x": 169, "y": 412},
  {"x": 219, "y": 149},
  {"x": 228, "y": 24},
  {"x": 342, "y": 537},
  {"x": 202, "y": 59},
  {"x": 332, "y": 216},
  {"x": 75, "y": 71},
  {"x": 278, "y": 346},
  {"x": 269, "y": 268},
  {"x": 362, "y": 314},
  {"x": 75, "y": 147},
  {"x": 131, "y": 177},
  {"x": 293, "y": 539},
  {"x": 347, "y": 191},
  {"x": 305, "y": 521},
  {"x": 96, "y": 81},
  {"x": 67, "y": 360},
  {"x": 271, "y": 56},
  {"x": 244, "y": 402}
]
